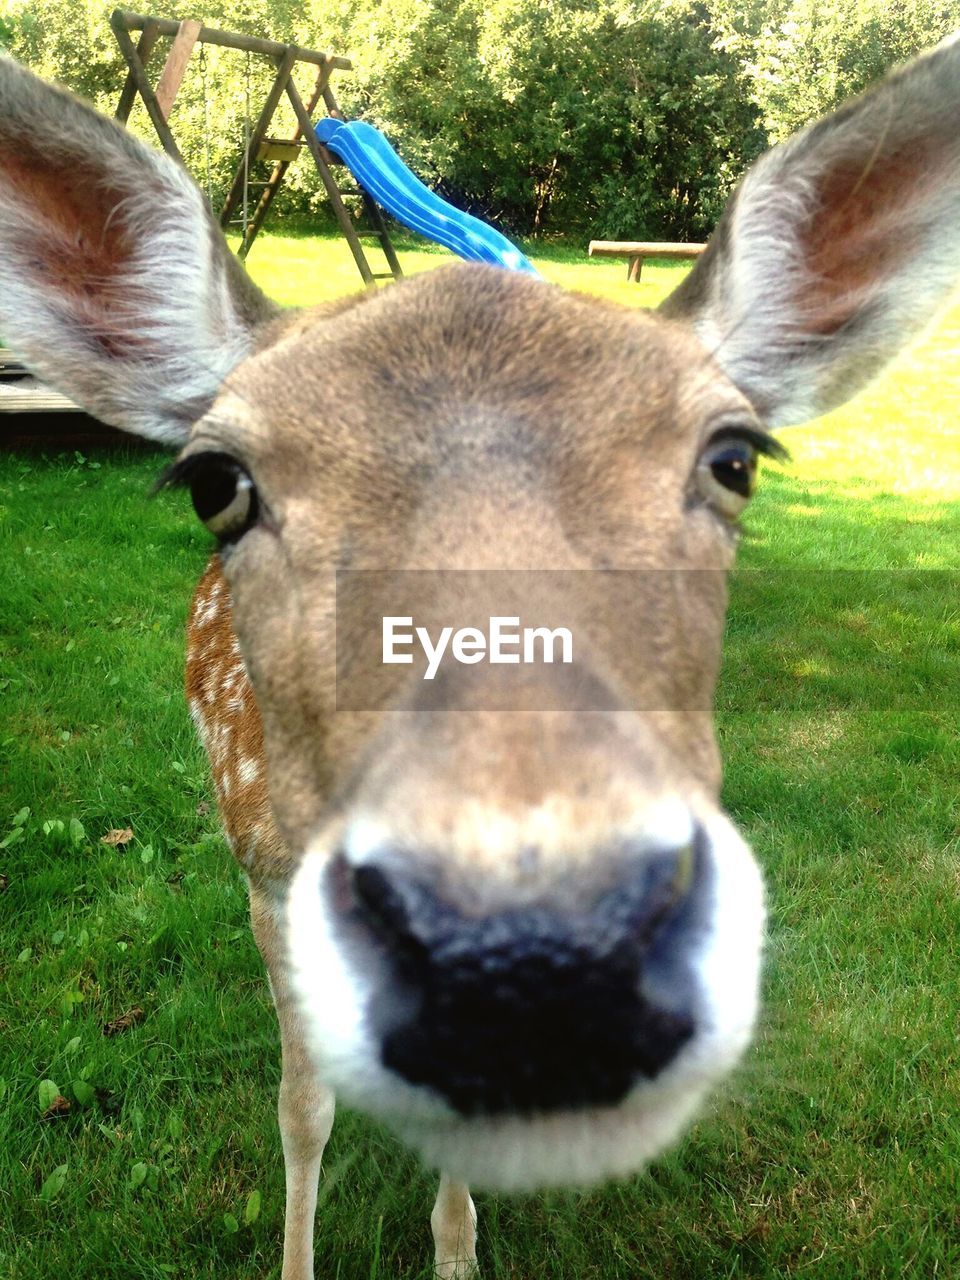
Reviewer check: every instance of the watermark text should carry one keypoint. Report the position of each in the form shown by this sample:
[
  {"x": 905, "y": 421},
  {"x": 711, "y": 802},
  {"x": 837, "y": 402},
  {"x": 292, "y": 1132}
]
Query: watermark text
[{"x": 504, "y": 641}]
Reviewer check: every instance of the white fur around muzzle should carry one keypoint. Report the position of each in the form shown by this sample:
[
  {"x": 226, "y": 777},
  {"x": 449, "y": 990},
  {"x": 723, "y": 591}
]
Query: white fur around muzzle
[{"x": 575, "y": 1148}]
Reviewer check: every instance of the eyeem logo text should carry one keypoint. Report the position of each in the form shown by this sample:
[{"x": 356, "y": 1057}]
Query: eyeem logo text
[{"x": 504, "y": 641}]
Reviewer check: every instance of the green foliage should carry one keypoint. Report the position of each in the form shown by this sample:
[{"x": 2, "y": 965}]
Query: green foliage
[
  {"x": 801, "y": 58},
  {"x": 583, "y": 117},
  {"x": 574, "y": 117},
  {"x": 610, "y": 118}
]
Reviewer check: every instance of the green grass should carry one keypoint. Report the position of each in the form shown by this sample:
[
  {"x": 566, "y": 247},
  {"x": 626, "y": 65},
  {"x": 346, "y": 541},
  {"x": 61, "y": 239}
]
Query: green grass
[{"x": 835, "y": 1150}]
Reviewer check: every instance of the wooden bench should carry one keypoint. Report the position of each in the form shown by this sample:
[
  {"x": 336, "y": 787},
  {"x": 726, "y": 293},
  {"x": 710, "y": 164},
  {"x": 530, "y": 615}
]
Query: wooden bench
[{"x": 637, "y": 250}]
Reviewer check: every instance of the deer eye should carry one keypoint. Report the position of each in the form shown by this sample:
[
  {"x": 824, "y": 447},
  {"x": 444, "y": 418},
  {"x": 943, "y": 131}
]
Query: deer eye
[
  {"x": 223, "y": 494},
  {"x": 727, "y": 471}
]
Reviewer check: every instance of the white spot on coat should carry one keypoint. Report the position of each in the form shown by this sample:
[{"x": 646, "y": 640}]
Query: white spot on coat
[{"x": 248, "y": 770}]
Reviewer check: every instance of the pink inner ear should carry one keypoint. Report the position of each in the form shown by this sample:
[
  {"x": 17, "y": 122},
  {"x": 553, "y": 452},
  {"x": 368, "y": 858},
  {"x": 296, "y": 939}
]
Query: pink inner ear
[
  {"x": 77, "y": 241},
  {"x": 859, "y": 233}
]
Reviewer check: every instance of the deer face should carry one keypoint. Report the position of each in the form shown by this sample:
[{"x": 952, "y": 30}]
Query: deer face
[
  {"x": 518, "y": 927},
  {"x": 514, "y": 915}
]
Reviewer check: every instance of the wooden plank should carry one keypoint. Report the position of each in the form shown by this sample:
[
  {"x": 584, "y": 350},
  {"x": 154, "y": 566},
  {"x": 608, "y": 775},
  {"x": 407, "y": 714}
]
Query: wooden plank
[
  {"x": 25, "y": 395},
  {"x": 639, "y": 250},
  {"x": 176, "y": 64},
  {"x": 59, "y": 430},
  {"x": 276, "y": 149},
  {"x": 10, "y": 366}
]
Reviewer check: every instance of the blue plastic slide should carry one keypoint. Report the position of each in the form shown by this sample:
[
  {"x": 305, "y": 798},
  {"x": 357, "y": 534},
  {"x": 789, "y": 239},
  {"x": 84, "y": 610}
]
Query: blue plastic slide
[{"x": 384, "y": 176}]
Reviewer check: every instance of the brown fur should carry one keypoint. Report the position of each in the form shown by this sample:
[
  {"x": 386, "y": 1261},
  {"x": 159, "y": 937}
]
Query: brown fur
[
  {"x": 436, "y": 438},
  {"x": 463, "y": 422}
]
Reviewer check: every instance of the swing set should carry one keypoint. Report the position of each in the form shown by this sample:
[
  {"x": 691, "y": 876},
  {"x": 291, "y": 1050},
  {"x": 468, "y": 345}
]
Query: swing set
[
  {"x": 382, "y": 177},
  {"x": 259, "y": 151}
]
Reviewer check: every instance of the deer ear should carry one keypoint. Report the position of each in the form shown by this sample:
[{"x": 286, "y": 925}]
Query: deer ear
[
  {"x": 837, "y": 247},
  {"x": 116, "y": 285}
]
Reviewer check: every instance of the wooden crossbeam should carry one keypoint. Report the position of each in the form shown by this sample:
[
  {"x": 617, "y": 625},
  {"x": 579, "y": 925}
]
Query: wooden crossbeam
[{"x": 123, "y": 19}]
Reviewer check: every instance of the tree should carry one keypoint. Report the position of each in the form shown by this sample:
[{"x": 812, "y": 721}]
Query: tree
[
  {"x": 802, "y": 59},
  {"x": 612, "y": 118},
  {"x": 569, "y": 116}
]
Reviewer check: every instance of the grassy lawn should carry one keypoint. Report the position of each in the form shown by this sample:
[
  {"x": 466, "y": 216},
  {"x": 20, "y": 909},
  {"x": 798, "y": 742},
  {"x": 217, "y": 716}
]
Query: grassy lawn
[{"x": 834, "y": 1152}]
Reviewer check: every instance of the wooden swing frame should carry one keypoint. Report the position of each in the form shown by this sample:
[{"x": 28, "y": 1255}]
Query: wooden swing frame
[{"x": 259, "y": 147}]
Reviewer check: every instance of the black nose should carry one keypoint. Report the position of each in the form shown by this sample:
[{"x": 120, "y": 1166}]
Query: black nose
[{"x": 532, "y": 1010}]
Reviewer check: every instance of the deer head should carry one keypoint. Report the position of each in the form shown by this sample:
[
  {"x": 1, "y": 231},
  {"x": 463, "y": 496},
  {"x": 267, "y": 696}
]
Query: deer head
[{"x": 515, "y": 924}]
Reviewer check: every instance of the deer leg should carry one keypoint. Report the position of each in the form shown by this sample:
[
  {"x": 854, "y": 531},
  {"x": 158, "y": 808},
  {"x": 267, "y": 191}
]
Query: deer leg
[
  {"x": 306, "y": 1118},
  {"x": 454, "y": 1224},
  {"x": 305, "y": 1108}
]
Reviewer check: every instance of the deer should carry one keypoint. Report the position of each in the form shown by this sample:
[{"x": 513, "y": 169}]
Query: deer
[{"x": 521, "y": 931}]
